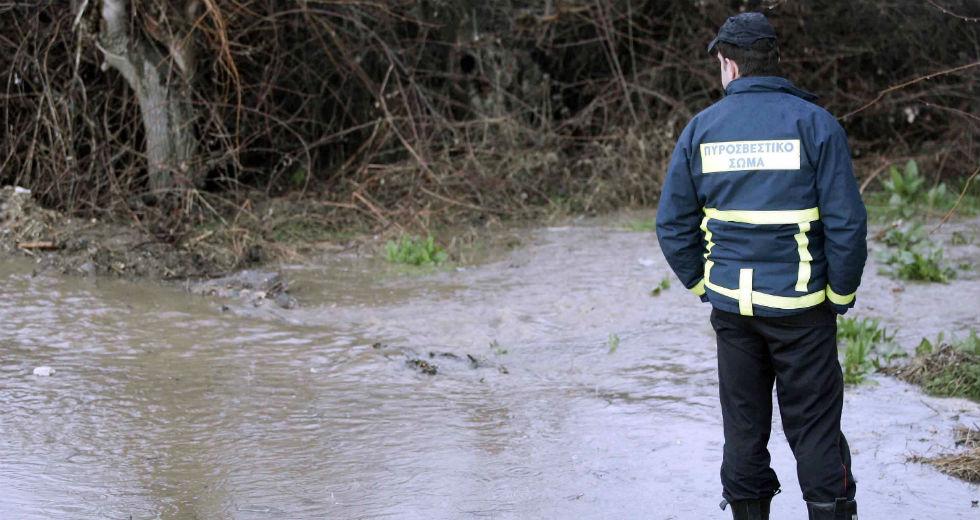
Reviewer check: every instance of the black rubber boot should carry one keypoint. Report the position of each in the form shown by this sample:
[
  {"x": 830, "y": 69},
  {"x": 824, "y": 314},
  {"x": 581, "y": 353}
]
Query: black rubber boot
[
  {"x": 840, "y": 509},
  {"x": 750, "y": 509}
]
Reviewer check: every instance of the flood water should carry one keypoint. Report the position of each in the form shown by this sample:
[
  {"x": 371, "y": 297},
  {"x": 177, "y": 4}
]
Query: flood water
[{"x": 164, "y": 405}]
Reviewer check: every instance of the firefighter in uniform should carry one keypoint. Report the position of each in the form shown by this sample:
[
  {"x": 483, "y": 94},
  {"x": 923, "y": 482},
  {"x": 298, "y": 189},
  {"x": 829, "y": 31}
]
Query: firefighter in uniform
[{"x": 761, "y": 216}]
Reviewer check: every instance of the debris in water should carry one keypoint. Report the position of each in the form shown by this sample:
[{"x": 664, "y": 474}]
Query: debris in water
[
  {"x": 44, "y": 371},
  {"x": 447, "y": 355},
  {"x": 423, "y": 366}
]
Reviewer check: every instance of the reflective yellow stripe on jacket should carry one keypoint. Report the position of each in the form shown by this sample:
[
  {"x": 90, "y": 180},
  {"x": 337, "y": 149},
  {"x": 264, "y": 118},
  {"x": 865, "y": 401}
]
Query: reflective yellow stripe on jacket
[{"x": 744, "y": 294}]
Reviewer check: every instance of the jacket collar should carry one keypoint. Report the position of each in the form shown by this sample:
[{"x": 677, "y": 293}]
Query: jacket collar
[{"x": 767, "y": 84}]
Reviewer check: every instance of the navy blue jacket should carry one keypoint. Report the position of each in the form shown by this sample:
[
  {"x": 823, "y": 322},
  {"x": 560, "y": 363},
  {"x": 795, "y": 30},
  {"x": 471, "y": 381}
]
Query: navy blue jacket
[{"x": 760, "y": 212}]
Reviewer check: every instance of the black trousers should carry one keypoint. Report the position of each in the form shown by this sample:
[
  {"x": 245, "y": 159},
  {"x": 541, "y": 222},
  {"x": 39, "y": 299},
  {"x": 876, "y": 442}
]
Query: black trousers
[{"x": 799, "y": 354}]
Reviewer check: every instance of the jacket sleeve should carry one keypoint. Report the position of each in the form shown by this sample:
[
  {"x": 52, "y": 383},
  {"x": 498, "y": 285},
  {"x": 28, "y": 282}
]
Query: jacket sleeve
[
  {"x": 844, "y": 218},
  {"x": 678, "y": 220}
]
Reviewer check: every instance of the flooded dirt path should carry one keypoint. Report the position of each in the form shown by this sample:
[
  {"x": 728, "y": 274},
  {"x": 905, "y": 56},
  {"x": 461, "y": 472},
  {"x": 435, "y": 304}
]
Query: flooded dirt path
[{"x": 590, "y": 398}]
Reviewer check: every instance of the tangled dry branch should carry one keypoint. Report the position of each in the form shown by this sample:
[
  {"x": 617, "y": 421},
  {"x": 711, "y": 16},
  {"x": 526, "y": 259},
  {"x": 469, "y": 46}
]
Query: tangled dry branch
[{"x": 407, "y": 111}]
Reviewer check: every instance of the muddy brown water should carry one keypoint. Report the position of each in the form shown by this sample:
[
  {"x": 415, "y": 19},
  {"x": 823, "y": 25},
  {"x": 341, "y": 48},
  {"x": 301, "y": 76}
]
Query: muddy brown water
[{"x": 165, "y": 406}]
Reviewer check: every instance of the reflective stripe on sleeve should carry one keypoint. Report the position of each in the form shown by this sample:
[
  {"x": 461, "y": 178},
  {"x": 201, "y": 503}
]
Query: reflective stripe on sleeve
[
  {"x": 797, "y": 216},
  {"x": 840, "y": 299}
]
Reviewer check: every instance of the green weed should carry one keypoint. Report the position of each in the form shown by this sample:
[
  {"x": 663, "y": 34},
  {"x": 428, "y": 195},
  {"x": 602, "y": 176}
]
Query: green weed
[
  {"x": 921, "y": 263},
  {"x": 904, "y": 236},
  {"x": 907, "y": 192},
  {"x": 911, "y": 256},
  {"x": 413, "y": 250},
  {"x": 661, "y": 287},
  {"x": 868, "y": 329},
  {"x": 613, "y": 343},
  {"x": 867, "y": 346},
  {"x": 905, "y": 196},
  {"x": 857, "y": 362},
  {"x": 970, "y": 344},
  {"x": 959, "y": 379}
]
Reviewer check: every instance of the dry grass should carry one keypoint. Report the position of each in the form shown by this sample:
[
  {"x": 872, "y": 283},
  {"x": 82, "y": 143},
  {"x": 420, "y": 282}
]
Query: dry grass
[
  {"x": 965, "y": 465},
  {"x": 948, "y": 372}
]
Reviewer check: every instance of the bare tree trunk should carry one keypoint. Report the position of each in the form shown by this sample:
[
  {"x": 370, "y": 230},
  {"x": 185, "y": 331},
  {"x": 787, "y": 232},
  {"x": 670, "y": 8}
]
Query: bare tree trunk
[{"x": 163, "y": 94}]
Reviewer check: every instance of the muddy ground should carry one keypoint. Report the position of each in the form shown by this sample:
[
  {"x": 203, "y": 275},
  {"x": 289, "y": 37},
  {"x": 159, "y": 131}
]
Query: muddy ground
[
  {"x": 228, "y": 259},
  {"x": 543, "y": 381}
]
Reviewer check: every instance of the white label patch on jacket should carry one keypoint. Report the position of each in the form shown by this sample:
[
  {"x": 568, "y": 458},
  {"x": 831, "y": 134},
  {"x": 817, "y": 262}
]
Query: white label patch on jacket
[{"x": 750, "y": 155}]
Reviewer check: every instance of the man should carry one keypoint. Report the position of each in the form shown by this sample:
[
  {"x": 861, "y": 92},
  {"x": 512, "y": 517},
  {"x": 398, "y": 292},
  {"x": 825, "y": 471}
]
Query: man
[{"x": 761, "y": 216}]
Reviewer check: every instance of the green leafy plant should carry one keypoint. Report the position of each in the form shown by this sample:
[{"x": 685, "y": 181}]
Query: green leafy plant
[
  {"x": 926, "y": 347},
  {"x": 907, "y": 193},
  {"x": 921, "y": 263},
  {"x": 905, "y": 187},
  {"x": 904, "y": 235},
  {"x": 661, "y": 287},
  {"x": 417, "y": 251},
  {"x": 911, "y": 256},
  {"x": 867, "y": 346},
  {"x": 857, "y": 362},
  {"x": 868, "y": 329},
  {"x": 970, "y": 344}
]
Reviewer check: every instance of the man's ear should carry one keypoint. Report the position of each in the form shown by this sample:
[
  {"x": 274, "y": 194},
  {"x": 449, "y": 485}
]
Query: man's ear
[{"x": 734, "y": 65}]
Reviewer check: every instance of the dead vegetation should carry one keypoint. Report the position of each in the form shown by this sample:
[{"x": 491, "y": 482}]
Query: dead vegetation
[
  {"x": 948, "y": 371},
  {"x": 964, "y": 465},
  {"x": 403, "y": 115}
]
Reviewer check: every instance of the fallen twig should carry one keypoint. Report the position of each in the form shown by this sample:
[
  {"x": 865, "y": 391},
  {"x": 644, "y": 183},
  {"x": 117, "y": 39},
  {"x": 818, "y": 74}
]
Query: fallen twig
[{"x": 43, "y": 245}]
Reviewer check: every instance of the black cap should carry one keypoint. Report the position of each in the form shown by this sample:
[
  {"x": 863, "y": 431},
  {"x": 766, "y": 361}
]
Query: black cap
[{"x": 742, "y": 30}]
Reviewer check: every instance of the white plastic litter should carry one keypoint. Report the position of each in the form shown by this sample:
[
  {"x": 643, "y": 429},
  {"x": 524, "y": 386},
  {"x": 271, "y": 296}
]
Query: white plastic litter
[{"x": 44, "y": 371}]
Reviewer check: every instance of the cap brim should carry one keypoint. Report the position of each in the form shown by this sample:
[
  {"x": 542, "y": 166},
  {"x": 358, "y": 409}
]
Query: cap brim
[{"x": 711, "y": 46}]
